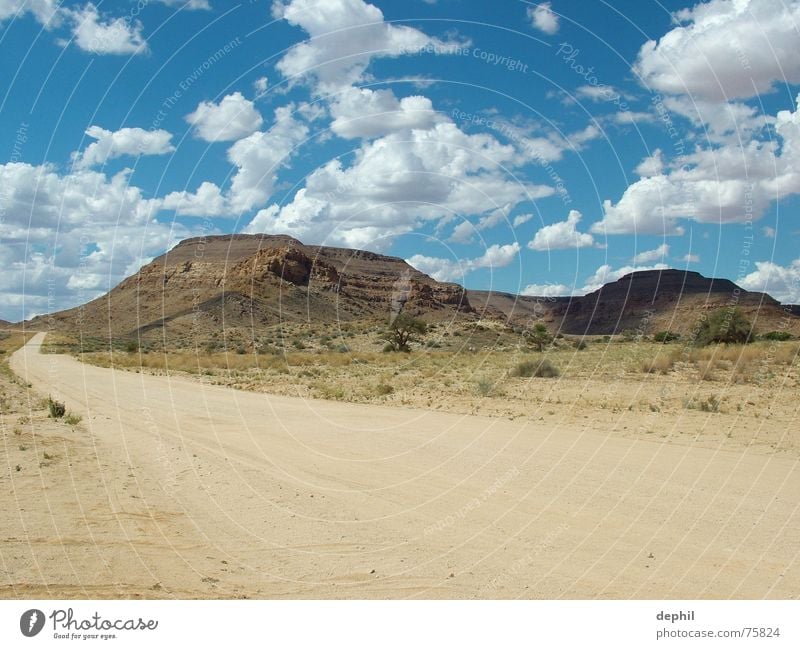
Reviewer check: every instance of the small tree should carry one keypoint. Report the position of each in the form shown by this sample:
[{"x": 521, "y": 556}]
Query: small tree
[
  {"x": 539, "y": 336},
  {"x": 727, "y": 325},
  {"x": 402, "y": 331}
]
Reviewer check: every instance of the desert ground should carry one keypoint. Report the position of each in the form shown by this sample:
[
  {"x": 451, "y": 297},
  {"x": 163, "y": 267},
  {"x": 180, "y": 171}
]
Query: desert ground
[{"x": 641, "y": 471}]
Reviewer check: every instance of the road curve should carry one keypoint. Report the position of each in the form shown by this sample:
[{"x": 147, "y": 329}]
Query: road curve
[{"x": 214, "y": 492}]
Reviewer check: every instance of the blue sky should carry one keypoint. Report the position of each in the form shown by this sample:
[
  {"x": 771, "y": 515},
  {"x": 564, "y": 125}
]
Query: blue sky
[{"x": 538, "y": 148}]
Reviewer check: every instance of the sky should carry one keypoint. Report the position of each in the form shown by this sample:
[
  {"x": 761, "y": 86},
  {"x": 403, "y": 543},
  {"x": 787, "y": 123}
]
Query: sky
[{"x": 532, "y": 148}]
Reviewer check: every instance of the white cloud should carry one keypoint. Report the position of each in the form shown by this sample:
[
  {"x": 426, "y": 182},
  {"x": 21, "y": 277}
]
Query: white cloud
[
  {"x": 628, "y": 117},
  {"x": 547, "y": 290},
  {"x": 93, "y": 34},
  {"x": 522, "y": 219},
  {"x": 768, "y": 232},
  {"x": 564, "y": 234},
  {"x": 233, "y": 118},
  {"x": 725, "y": 49},
  {"x": 648, "y": 256},
  {"x": 187, "y": 4},
  {"x": 781, "y": 282},
  {"x": 126, "y": 141},
  {"x": 261, "y": 85},
  {"x": 690, "y": 258},
  {"x": 208, "y": 200},
  {"x": 733, "y": 182},
  {"x": 653, "y": 165},
  {"x": 600, "y": 93},
  {"x": 68, "y": 238},
  {"x": 451, "y": 270},
  {"x": 45, "y": 11},
  {"x": 463, "y": 232},
  {"x": 397, "y": 182},
  {"x": 260, "y": 156},
  {"x": 543, "y": 18},
  {"x": 365, "y": 113},
  {"x": 345, "y": 36}
]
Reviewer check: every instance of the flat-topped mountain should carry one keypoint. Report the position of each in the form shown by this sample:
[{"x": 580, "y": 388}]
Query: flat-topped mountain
[
  {"x": 249, "y": 281},
  {"x": 642, "y": 302}
]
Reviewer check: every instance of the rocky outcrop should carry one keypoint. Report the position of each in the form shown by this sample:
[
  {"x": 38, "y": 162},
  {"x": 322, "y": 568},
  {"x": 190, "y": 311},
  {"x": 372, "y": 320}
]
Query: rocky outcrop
[{"x": 266, "y": 279}]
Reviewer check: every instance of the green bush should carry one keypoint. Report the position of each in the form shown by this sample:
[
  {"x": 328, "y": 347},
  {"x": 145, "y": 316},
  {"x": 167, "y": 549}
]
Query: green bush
[
  {"x": 132, "y": 346},
  {"x": 56, "y": 408},
  {"x": 727, "y": 325},
  {"x": 777, "y": 335},
  {"x": 485, "y": 387},
  {"x": 581, "y": 344},
  {"x": 539, "y": 368},
  {"x": 665, "y": 337},
  {"x": 383, "y": 389}
]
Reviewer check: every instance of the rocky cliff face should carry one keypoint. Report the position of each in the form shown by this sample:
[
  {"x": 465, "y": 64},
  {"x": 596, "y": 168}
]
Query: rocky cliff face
[{"x": 253, "y": 280}]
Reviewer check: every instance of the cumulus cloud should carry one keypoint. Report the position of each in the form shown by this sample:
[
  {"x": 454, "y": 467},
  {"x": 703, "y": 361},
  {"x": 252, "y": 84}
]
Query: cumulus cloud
[
  {"x": 45, "y": 11},
  {"x": 68, "y": 238},
  {"x": 690, "y": 258},
  {"x": 558, "y": 236},
  {"x": 450, "y": 270},
  {"x": 543, "y": 18},
  {"x": 464, "y": 231},
  {"x": 345, "y": 36},
  {"x": 397, "y": 182},
  {"x": 725, "y": 49},
  {"x": 768, "y": 232},
  {"x": 260, "y": 156},
  {"x": 233, "y": 118},
  {"x": 648, "y": 256},
  {"x": 781, "y": 282},
  {"x": 547, "y": 290},
  {"x": 733, "y": 182},
  {"x": 522, "y": 219},
  {"x": 92, "y": 33},
  {"x": 652, "y": 165},
  {"x": 208, "y": 200},
  {"x": 126, "y": 141},
  {"x": 365, "y": 113}
]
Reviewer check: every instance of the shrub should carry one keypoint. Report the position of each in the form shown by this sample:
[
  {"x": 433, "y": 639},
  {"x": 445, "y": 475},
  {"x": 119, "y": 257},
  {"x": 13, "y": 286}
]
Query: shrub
[
  {"x": 727, "y": 325},
  {"x": 383, "y": 389},
  {"x": 541, "y": 369},
  {"x": 659, "y": 365},
  {"x": 56, "y": 408},
  {"x": 581, "y": 344},
  {"x": 72, "y": 419},
  {"x": 777, "y": 335},
  {"x": 402, "y": 331},
  {"x": 539, "y": 336},
  {"x": 665, "y": 337},
  {"x": 485, "y": 387},
  {"x": 132, "y": 346}
]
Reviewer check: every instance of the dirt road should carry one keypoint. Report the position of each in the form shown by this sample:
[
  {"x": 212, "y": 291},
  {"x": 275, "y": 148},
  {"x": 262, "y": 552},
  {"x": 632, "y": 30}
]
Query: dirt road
[{"x": 194, "y": 490}]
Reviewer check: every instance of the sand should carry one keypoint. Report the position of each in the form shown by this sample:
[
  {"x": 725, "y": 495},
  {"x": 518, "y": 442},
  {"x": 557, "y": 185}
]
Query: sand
[{"x": 172, "y": 488}]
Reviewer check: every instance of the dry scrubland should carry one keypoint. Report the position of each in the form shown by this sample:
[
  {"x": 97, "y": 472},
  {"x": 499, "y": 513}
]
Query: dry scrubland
[
  {"x": 173, "y": 489},
  {"x": 728, "y": 395}
]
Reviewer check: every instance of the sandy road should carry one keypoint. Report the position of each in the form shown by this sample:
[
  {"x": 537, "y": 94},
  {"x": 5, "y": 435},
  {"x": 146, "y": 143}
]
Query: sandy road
[{"x": 201, "y": 491}]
